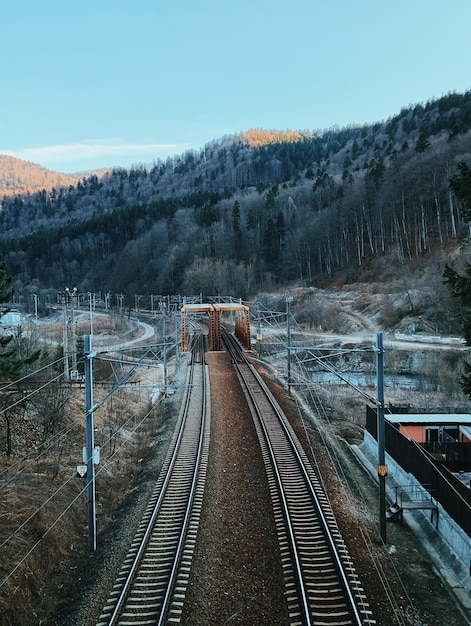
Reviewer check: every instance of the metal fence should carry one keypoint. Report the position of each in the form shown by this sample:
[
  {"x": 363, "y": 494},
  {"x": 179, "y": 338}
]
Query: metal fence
[
  {"x": 449, "y": 491},
  {"x": 456, "y": 454}
]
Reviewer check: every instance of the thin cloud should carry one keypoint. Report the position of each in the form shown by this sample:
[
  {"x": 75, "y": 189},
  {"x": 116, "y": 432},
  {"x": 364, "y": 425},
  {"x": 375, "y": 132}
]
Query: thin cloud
[{"x": 92, "y": 149}]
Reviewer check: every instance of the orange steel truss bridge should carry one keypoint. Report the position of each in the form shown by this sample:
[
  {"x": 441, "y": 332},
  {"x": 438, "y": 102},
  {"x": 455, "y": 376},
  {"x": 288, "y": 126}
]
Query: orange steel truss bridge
[{"x": 215, "y": 311}]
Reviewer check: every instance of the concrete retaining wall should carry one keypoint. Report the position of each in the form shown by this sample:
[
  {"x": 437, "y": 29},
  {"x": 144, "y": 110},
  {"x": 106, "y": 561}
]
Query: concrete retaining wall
[{"x": 447, "y": 544}]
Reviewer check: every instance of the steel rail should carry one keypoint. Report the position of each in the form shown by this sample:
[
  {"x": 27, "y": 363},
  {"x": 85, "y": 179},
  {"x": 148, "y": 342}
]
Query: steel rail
[
  {"x": 155, "y": 605},
  {"x": 245, "y": 369},
  {"x": 198, "y": 357}
]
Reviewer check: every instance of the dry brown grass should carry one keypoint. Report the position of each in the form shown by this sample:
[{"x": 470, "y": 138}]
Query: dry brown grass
[{"x": 43, "y": 504}]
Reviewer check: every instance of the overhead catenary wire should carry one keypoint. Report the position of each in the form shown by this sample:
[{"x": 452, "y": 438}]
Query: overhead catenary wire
[
  {"x": 83, "y": 491},
  {"x": 346, "y": 481},
  {"x": 29, "y": 395},
  {"x": 136, "y": 363},
  {"x": 31, "y": 374},
  {"x": 22, "y": 400},
  {"x": 42, "y": 449},
  {"x": 307, "y": 389},
  {"x": 59, "y": 489}
]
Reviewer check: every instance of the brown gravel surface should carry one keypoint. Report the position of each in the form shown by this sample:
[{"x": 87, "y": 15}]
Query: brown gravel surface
[{"x": 236, "y": 574}]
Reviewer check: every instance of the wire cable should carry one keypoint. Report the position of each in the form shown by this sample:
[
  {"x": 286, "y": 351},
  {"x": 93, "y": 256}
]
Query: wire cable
[
  {"x": 44, "y": 450},
  {"x": 306, "y": 388},
  {"x": 81, "y": 492},
  {"x": 31, "y": 394}
]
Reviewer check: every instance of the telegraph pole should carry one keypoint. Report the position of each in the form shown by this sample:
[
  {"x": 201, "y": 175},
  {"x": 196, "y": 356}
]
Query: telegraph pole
[
  {"x": 35, "y": 296},
  {"x": 259, "y": 331},
  {"x": 73, "y": 296},
  {"x": 152, "y": 306},
  {"x": 90, "y": 444},
  {"x": 289, "y": 300},
  {"x": 164, "y": 333},
  {"x": 177, "y": 335},
  {"x": 91, "y": 302},
  {"x": 382, "y": 467},
  {"x": 65, "y": 339}
]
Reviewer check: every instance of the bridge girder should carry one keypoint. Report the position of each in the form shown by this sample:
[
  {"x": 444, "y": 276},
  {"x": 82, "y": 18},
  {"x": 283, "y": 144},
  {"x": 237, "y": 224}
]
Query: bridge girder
[{"x": 215, "y": 311}]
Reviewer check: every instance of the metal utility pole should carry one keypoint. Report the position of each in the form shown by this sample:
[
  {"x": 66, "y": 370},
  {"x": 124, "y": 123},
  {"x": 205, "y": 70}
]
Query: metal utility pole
[
  {"x": 65, "y": 339},
  {"x": 259, "y": 331},
  {"x": 152, "y": 306},
  {"x": 35, "y": 296},
  {"x": 90, "y": 443},
  {"x": 289, "y": 300},
  {"x": 90, "y": 299},
  {"x": 163, "y": 306},
  {"x": 382, "y": 467},
  {"x": 177, "y": 335},
  {"x": 74, "y": 341},
  {"x": 73, "y": 296}
]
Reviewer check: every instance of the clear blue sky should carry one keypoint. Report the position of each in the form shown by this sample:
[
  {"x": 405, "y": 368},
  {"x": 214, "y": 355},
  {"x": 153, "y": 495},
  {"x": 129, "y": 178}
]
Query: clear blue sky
[{"x": 102, "y": 83}]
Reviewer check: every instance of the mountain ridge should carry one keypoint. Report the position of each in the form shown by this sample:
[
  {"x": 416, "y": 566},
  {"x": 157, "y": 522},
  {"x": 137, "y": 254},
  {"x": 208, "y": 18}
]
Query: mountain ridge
[
  {"x": 19, "y": 176},
  {"x": 250, "y": 213}
]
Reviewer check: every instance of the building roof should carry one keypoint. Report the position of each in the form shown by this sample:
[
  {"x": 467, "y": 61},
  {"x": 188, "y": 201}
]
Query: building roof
[{"x": 428, "y": 418}]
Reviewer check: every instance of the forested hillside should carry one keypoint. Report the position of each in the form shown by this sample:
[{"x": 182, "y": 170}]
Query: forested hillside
[
  {"x": 251, "y": 212},
  {"x": 17, "y": 176}
]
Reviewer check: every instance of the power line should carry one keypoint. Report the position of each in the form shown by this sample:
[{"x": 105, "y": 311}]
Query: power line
[
  {"x": 31, "y": 394},
  {"x": 30, "y": 374},
  {"x": 74, "y": 500},
  {"x": 40, "y": 508},
  {"x": 43, "y": 536},
  {"x": 44, "y": 449}
]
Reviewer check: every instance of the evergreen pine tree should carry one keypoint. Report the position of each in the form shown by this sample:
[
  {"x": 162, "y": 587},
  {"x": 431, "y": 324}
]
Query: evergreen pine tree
[
  {"x": 460, "y": 184},
  {"x": 9, "y": 364},
  {"x": 422, "y": 143}
]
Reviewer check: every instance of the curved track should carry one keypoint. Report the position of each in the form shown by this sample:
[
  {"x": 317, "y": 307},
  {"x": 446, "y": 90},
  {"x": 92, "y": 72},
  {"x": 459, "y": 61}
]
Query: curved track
[
  {"x": 321, "y": 583},
  {"x": 152, "y": 583}
]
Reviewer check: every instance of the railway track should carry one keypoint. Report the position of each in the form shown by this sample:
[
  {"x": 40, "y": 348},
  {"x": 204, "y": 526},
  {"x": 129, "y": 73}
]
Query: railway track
[
  {"x": 151, "y": 585},
  {"x": 322, "y": 587}
]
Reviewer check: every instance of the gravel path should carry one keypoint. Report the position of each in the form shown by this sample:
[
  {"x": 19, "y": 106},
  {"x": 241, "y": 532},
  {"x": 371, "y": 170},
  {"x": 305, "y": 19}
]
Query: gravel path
[{"x": 236, "y": 573}]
